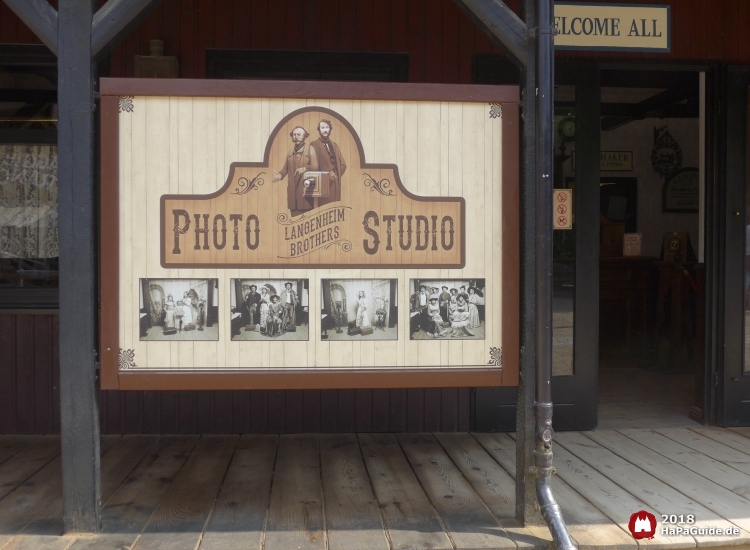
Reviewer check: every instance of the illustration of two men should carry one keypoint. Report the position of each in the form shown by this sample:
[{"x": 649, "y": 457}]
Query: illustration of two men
[{"x": 321, "y": 155}]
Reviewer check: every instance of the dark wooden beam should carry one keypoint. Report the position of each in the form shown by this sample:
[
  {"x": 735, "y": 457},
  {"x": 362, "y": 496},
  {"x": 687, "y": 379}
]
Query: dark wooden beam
[
  {"x": 114, "y": 21},
  {"x": 527, "y": 506},
  {"x": 652, "y": 104},
  {"x": 79, "y": 413},
  {"x": 503, "y": 26},
  {"x": 40, "y": 17}
]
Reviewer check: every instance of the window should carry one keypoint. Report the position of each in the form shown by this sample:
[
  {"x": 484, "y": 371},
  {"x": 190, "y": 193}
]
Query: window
[{"x": 28, "y": 178}]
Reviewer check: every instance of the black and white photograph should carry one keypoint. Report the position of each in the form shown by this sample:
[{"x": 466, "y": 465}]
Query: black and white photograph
[
  {"x": 359, "y": 309},
  {"x": 263, "y": 309},
  {"x": 446, "y": 308},
  {"x": 179, "y": 309}
]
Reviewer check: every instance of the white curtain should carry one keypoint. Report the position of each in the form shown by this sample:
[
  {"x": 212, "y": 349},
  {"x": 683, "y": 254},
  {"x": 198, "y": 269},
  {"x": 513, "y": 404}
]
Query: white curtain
[{"x": 28, "y": 201}]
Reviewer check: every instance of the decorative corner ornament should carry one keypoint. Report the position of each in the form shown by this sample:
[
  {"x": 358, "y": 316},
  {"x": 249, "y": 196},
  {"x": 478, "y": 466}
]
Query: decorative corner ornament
[
  {"x": 126, "y": 104},
  {"x": 496, "y": 110},
  {"x": 244, "y": 185},
  {"x": 379, "y": 186},
  {"x": 496, "y": 357},
  {"x": 127, "y": 359}
]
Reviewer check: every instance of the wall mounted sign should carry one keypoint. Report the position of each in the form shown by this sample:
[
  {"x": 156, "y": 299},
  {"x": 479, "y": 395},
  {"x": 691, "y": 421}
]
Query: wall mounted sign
[
  {"x": 562, "y": 209},
  {"x": 612, "y": 161},
  {"x": 294, "y": 235},
  {"x": 666, "y": 155},
  {"x": 681, "y": 191},
  {"x": 616, "y": 161},
  {"x": 632, "y": 244},
  {"x": 613, "y": 27}
]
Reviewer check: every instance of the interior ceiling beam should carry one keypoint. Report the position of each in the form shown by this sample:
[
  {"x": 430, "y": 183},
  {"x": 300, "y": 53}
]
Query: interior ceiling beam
[
  {"x": 115, "y": 20},
  {"x": 40, "y": 17},
  {"x": 498, "y": 21},
  {"x": 653, "y": 103}
]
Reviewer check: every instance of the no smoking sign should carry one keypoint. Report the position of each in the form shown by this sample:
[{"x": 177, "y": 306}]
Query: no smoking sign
[{"x": 562, "y": 209}]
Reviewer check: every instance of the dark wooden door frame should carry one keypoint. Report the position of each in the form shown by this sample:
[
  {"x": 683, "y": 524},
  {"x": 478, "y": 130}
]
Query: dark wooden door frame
[
  {"x": 731, "y": 385},
  {"x": 496, "y": 408}
]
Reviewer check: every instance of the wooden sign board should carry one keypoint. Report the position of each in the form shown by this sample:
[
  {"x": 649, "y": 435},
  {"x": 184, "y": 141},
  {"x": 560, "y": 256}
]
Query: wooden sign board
[
  {"x": 613, "y": 27},
  {"x": 301, "y": 235}
]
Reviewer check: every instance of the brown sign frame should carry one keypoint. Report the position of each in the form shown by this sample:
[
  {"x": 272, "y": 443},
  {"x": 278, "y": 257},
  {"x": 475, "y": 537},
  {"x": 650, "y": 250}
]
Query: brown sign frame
[{"x": 112, "y": 377}]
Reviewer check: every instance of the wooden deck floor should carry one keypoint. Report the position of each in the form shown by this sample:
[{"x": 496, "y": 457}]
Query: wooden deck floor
[{"x": 382, "y": 491}]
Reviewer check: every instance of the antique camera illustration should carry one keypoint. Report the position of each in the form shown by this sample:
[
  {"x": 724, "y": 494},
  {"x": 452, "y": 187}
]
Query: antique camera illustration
[{"x": 316, "y": 184}]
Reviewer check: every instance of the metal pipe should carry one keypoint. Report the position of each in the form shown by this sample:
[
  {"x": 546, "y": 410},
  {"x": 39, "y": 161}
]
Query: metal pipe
[{"x": 545, "y": 77}]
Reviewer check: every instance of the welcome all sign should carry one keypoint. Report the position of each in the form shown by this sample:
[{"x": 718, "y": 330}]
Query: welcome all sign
[{"x": 613, "y": 27}]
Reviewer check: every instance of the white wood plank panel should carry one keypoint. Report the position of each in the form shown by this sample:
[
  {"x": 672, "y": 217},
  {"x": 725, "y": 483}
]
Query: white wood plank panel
[
  {"x": 186, "y": 358},
  {"x": 174, "y": 188},
  {"x": 493, "y": 290},
  {"x": 455, "y": 189},
  {"x": 139, "y": 217},
  {"x": 474, "y": 187},
  {"x": 126, "y": 225},
  {"x": 156, "y": 180},
  {"x": 251, "y": 145},
  {"x": 232, "y": 154}
]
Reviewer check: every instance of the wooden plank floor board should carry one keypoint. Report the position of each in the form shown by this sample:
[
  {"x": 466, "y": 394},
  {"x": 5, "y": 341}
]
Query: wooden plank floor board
[
  {"x": 709, "y": 447},
  {"x": 348, "y": 492},
  {"x": 712, "y": 469},
  {"x": 411, "y": 520},
  {"x": 658, "y": 495},
  {"x": 25, "y": 463},
  {"x": 588, "y": 526},
  {"x": 743, "y": 430},
  {"x": 11, "y": 444},
  {"x": 729, "y": 438},
  {"x": 469, "y": 522},
  {"x": 495, "y": 487},
  {"x": 179, "y": 520},
  {"x": 295, "y": 514},
  {"x": 723, "y": 502},
  {"x": 239, "y": 516},
  {"x": 127, "y": 512},
  {"x": 353, "y": 518},
  {"x": 604, "y": 494},
  {"x": 27, "y": 501},
  {"x": 45, "y": 531}
]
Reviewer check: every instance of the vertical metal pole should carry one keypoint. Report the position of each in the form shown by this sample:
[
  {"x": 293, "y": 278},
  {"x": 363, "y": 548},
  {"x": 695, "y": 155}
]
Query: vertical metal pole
[
  {"x": 78, "y": 305},
  {"x": 527, "y": 507},
  {"x": 545, "y": 78}
]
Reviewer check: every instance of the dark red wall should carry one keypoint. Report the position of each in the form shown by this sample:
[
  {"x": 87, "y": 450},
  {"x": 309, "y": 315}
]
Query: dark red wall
[
  {"x": 29, "y": 400},
  {"x": 440, "y": 41}
]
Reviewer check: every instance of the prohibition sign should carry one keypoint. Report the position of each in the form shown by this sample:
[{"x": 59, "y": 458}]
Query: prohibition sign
[
  {"x": 562, "y": 209},
  {"x": 562, "y": 221},
  {"x": 562, "y": 197}
]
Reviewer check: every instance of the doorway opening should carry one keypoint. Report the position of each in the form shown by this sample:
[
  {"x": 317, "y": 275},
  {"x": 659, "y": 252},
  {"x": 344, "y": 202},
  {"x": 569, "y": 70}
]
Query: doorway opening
[{"x": 651, "y": 270}]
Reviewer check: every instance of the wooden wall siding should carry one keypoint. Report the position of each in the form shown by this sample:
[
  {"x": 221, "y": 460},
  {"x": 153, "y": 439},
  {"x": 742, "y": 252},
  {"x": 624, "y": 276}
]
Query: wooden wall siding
[
  {"x": 455, "y": 159},
  {"x": 29, "y": 374},
  {"x": 440, "y": 40},
  {"x": 291, "y": 411},
  {"x": 29, "y": 400}
]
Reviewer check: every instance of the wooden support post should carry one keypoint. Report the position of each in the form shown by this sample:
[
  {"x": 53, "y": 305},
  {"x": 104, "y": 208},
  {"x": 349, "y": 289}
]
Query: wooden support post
[
  {"x": 527, "y": 506},
  {"x": 78, "y": 268}
]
